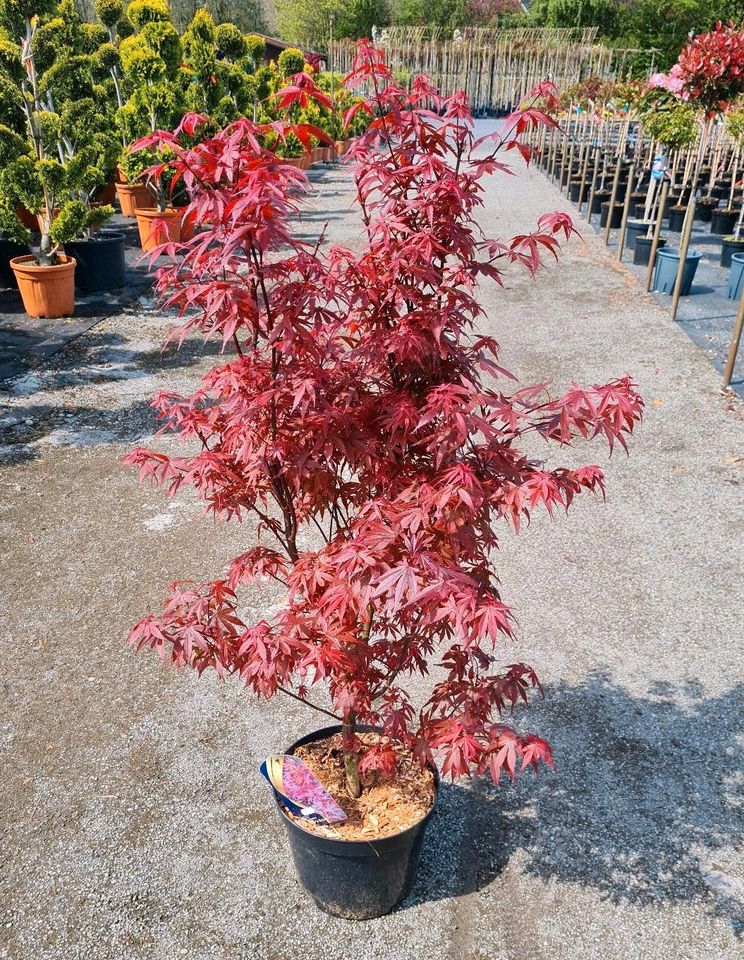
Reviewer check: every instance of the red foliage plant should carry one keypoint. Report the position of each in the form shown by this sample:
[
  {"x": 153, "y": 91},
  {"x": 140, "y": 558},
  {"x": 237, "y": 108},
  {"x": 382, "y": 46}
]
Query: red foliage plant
[
  {"x": 356, "y": 408},
  {"x": 711, "y": 67}
]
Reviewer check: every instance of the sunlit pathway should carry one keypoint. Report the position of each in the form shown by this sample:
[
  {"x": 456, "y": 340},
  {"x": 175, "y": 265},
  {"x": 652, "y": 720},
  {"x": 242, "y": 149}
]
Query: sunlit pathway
[{"x": 134, "y": 822}]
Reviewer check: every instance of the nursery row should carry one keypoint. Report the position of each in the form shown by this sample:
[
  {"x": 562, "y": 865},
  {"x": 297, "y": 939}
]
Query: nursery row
[
  {"x": 658, "y": 158},
  {"x": 76, "y": 96}
]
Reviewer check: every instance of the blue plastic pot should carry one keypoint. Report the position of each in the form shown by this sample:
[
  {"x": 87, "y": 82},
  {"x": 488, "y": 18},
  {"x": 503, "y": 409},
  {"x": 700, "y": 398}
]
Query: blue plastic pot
[
  {"x": 667, "y": 264},
  {"x": 736, "y": 277}
]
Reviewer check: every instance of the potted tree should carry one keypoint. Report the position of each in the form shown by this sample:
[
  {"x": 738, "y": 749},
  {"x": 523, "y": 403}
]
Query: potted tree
[
  {"x": 152, "y": 83},
  {"x": 35, "y": 178},
  {"x": 355, "y": 405}
]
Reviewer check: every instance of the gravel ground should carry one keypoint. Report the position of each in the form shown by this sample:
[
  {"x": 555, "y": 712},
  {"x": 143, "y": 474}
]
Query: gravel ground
[{"x": 134, "y": 823}]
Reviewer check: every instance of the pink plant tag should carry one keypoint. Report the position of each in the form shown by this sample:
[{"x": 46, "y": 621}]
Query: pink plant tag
[{"x": 302, "y": 790}]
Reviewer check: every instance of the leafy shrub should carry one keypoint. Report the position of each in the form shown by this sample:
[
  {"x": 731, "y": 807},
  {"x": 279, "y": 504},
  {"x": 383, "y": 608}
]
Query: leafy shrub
[{"x": 290, "y": 61}]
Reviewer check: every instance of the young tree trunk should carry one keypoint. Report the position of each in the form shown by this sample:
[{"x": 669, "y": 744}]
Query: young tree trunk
[{"x": 351, "y": 755}]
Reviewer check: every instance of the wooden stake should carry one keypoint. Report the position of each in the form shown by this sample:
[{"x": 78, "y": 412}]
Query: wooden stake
[
  {"x": 593, "y": 189},
  {"x": 610, "y": 212},
  {"x": 684, "y": 244},
  {"x": 657, "y": 234},
  {"x": 626, "y": 211},
  {"x": 735, "y": 341}
]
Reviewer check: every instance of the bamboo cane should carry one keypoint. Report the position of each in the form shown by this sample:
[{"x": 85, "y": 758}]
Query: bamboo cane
[
  {"x": 613, "y": 195},
  {"x": 735, "y": 341},
  {"x": 684, "y": 244},
  {"x": 593, "y": 188},
  {"x": 624, "y": 221},
  {"x": 584, "y": 169},
  {"x": 657, "y": 234}
]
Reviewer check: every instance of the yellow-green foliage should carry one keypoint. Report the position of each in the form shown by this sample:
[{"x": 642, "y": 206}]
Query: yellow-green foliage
[
  {"x": 735, "y": 123},
  {"x": 675, "y": 126},
  {"x": 140, "y": 12},
  {"x": 290, "y": 61}
]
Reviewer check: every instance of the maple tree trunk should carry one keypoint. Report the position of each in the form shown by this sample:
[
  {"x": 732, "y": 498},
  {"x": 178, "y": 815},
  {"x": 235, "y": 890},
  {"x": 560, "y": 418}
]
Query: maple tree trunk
[{"x": 351, "y": 755}]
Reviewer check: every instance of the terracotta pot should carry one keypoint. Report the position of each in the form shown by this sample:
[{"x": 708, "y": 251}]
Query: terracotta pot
[
  {"x": 326, "y": 154},
  {"x": 107, "y": 194},
  {"x": 341, "y": 147},
  {"x": 134, "y": 196},
  {"x": 150, "y": 236},
  {"x": 297, "y": 162},
  {"x": 121, "y": 177},
  {"x": 316, "y": 154},
  {"x": 46, "y": 291},
  {"x": 187, "y": 225},
  {"x": 27, "y": 218}
]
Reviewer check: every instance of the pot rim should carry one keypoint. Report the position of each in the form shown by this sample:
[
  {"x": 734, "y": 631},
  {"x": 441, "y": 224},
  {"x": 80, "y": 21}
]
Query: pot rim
[
  {"x": 651, "y": 239},
  {"x": 29, "y": 261},
  {"x": 674, "y": 254},
  {"x": 353, "y": 847},
  {"x": 151, "y": 213},
  {"x": 102, "y": 237}
]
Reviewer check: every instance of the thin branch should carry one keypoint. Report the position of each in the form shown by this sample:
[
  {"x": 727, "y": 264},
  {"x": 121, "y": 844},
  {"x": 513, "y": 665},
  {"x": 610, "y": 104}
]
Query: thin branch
[{"x": 307, "y": 703}]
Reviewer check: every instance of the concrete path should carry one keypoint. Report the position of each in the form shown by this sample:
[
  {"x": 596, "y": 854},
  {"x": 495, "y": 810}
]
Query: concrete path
[{"x": 134, "y": 823}]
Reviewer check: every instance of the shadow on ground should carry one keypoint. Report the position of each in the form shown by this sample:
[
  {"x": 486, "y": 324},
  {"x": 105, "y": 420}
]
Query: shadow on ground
[
  {"x": 645, "y": 792},
  {"x": 39, "y": 409}
]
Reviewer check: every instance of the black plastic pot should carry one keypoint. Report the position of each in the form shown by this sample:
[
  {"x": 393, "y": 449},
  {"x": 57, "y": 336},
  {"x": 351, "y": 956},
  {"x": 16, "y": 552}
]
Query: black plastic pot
[
  {"x": 8, "y": 250},
  {"x": 729, "y": 247},
  {"x": 677, "y": 219},
  {"x": 100, "y": 262},
  {"x": 642, "y": 249},
  {"x": 356, "y": 879},
  {"x": 635, "y": 229},
  {"x": 600, "y": 197},
  {"x": 617, "y": 216},
  {"x": 575, "y": 190},
  {"x": 723, "y": 221},
  {"x": 704, "y": 209}
]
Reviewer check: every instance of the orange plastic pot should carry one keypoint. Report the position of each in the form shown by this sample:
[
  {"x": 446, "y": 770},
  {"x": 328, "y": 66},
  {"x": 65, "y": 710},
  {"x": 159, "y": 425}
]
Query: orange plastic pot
[
  {"x": 341, "y": 147},
  {"x": 134, "y": 196},
  {"x": 151, "y": 230},
  {"x": 46, "y": 291},
  {"x": 27, "y": 218},
  {"x": 187, "y": 225},
  {"x": 107, "y": 194}
]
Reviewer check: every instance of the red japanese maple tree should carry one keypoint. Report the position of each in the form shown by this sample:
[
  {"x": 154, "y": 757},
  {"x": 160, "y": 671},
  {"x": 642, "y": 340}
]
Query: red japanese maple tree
[{"x": 362, "y": 407}]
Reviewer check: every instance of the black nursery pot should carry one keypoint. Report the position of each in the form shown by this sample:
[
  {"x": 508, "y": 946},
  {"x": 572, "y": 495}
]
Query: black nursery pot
[
  {"x": 600, "y": 197},
  {"x": 100, "y": 262},
  {"x": 617, "y": 216},
  {"x": 704, "y": 209},
  {"x": 723, "y": 221},
  {"x": 355, "y": 879},
  {"x": 729, "y": 247},
  {"x": 8, "y": 250},
  {"x": 677, "y": 219},
  {"x": 642, "y": 249},
  {"x": 635, "y": 229}
]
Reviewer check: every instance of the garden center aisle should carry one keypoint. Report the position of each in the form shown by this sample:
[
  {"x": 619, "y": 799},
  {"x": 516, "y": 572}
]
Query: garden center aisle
[{"x": 135, "y": 824}]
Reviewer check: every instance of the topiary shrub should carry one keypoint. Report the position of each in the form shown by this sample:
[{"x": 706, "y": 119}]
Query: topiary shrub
[
  {"x": 230, "y": 42},
  {"x": 140, "y": 12},
  {"x": 255, "y": 50},
  {"x": 290, "y": 61}
]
